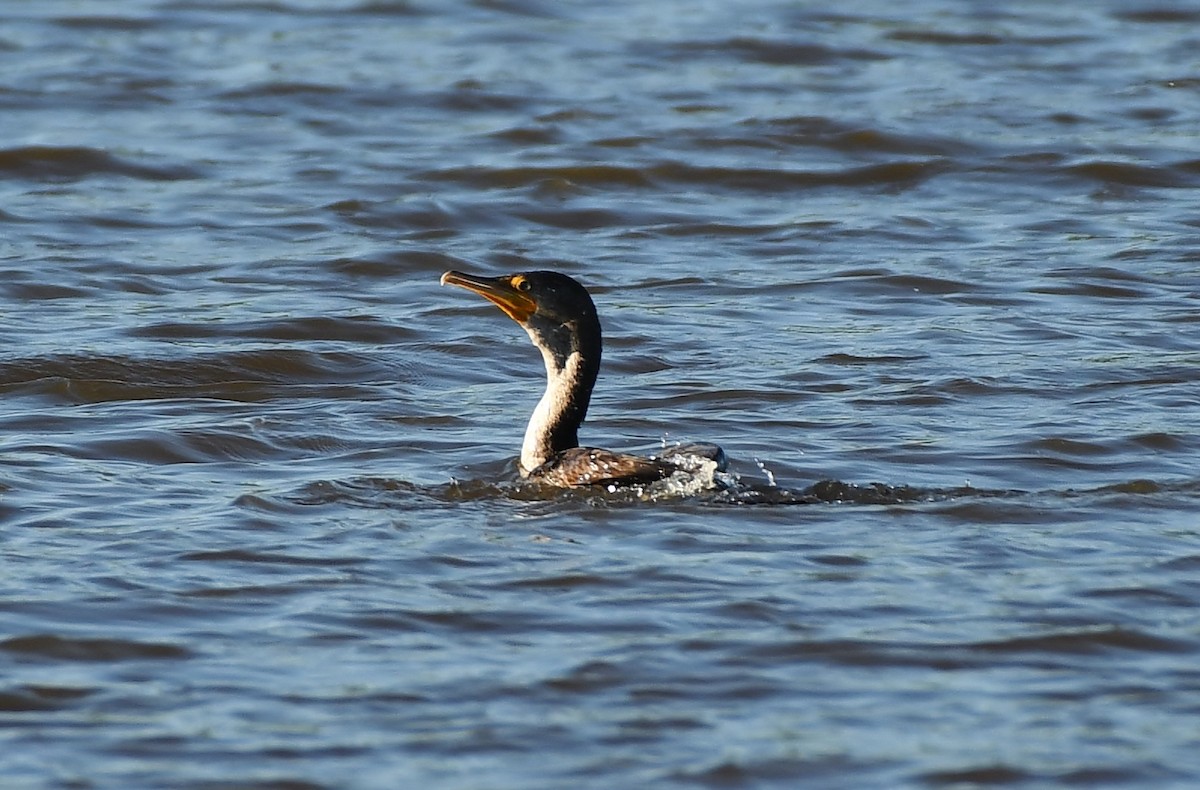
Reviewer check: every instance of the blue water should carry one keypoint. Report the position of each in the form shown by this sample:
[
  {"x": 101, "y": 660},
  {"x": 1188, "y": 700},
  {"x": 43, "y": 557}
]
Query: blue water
[{"x": 929, "y": 273}]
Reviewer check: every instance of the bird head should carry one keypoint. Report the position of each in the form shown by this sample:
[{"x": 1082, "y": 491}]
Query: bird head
[
  {"x": 531, "y": 297},
  {"x": 554, "y": 309}
]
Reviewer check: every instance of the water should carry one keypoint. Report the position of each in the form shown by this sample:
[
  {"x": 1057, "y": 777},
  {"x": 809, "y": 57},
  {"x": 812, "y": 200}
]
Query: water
[{"x": 931, "y": 268}]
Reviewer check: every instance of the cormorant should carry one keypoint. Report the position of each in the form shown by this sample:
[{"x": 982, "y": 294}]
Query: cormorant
[{"x": 560, "y": 317}]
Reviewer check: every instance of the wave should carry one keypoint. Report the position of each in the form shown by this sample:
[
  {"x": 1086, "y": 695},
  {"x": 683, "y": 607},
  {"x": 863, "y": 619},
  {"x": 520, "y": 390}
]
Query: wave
[
  {"x": 501, "y": 482},
  {"x": 89, "y": 649},
  {"x": 71, "y": 163},
  {"x": 239, "y": 376},
  {"x": 752, "y": 179}
]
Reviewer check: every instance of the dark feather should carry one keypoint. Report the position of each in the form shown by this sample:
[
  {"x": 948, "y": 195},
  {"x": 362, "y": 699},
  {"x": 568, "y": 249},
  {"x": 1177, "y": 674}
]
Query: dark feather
[{"x": 590, "y": 466}]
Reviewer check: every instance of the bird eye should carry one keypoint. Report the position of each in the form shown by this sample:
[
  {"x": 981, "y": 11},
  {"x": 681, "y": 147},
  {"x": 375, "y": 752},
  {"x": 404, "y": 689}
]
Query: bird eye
[{"x": 522, "y": 284}]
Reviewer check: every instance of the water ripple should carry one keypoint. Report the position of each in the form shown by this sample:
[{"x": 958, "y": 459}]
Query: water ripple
[
  {"x": 262, "y": 522},
  {"x": 70, "y": 163},
  {"x": 50, "y": 646}
]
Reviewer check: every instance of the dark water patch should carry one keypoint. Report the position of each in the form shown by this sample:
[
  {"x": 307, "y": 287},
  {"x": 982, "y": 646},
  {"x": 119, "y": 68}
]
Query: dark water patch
[
  {"x": 943, "y": 38},
  {"x": 984, "y": 776},
  {"x": 471, "y": 490},
  {"x": 1182, "y": 83},
  {"x": 1135, "y": 487},
  {"x": 289, "y": 10},
  {"x": 1002, "y": 775},
  {"x": 1025, "y": 164},
  {"x": 625, "y": 141},
  {"x": 340, "y": 329},
  {"x": 289, "y": 90},
  {"x": 71, "y": 163},
  {"x": 30, "y": 698},
  {"x": 937, "y": 286},
  {"x": 591, "y": 677},
  {"x": 1135, "y": 175},
  {"x": 579, "y": 219},
  {"x": 386, "y": 8},
  {"x": 1058, "y": 445},
  {"x": 1067, "y": 118},
  {"x": 764, "y": 51},
  {"x": 1162, "y": 441},
  {"x": 50, "y": 646},
  {"x": 1188, "y": 563},
  {"x": 239, "y": 376},
  {"x": 1017, "y": 508},
  {"x": 838, "y": 492},
  {"x": 284, "y": 9},
  {"x": 1161, "y": 15},
  {"x": 404, "y": 497},
  {"x": 473, "y": 96},
  {"x": 1057, "y": 457},
  {"x": 1139, "y": 597},
  {"x": 852, "y": 360},
  {"x": 326, "y": 108},
  {"x": 853, "y": 652},
  {"x": 83, "y": 391},
  {"x": 838, "y": 560},
  {"x": 244, "y": 442},
  {"x": 164, "y": 448},
  {"x": 1164, "y": 376},
  {"x": 529, "y": 135},
  {"x": 1053, "y": 649},
  {"x": 1139, "y": 494},
  {"x": 34, "y": 292},
  {"x": 251, "y": 592},
  {"x": 1153, "y": 115},
  {"x": 1104, "y": 274},
  {"x": 536, "y": 9},
  {"x": 894, "y": 174},
  {"x": 275, "y": 97},
  {"x": 253, "y": 783},
  {"x": 464, "y": 621},
  {"x": 271, "y": 505},
  {"x": 829, "y": 133},
  {"x": 940, "y": 391},
  {"x": 706, "y": 229},
  {"x": 372, "y": 492},
  {"x": 736, "y": 491},
  {"x": 747, "y": 771},
  {"x": 1087, "y": 642},
  {"x": 563, "y": 582},
  {"x": 249, "y": 556},
  {"x": 595, "y": 176},
  {"x": 20, "y": 283},
  {"x": 699, "y": 108},
  {"x": 108, "y": 23}
]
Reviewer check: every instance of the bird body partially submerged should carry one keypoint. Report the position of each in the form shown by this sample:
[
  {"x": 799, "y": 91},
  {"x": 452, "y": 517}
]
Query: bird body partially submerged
[{"x": 560, "y": 318}]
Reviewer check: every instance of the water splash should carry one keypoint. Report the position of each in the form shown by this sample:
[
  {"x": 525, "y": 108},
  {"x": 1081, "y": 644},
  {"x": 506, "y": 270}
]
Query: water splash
[{"x": 762, "y": 467}]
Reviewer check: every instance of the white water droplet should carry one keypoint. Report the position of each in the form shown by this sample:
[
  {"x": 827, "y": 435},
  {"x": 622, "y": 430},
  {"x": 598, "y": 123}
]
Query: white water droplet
[{"x": 770, "y": 475}]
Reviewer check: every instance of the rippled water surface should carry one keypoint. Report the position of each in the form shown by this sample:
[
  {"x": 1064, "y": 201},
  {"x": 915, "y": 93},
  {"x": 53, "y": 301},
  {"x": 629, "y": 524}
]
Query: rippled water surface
[{"x": 929, "y": 272}]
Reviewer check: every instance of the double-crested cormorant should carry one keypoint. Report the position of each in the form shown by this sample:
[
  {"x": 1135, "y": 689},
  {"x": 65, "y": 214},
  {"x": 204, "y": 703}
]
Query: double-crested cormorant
[{"x": 560, "y": 317}]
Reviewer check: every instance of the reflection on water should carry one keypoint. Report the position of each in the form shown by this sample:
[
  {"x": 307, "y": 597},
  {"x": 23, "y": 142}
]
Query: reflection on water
[{"x": 929, "y": 277}]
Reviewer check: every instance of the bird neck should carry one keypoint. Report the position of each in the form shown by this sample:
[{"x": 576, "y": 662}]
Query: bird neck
[{"x": 571, "y": 370}]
